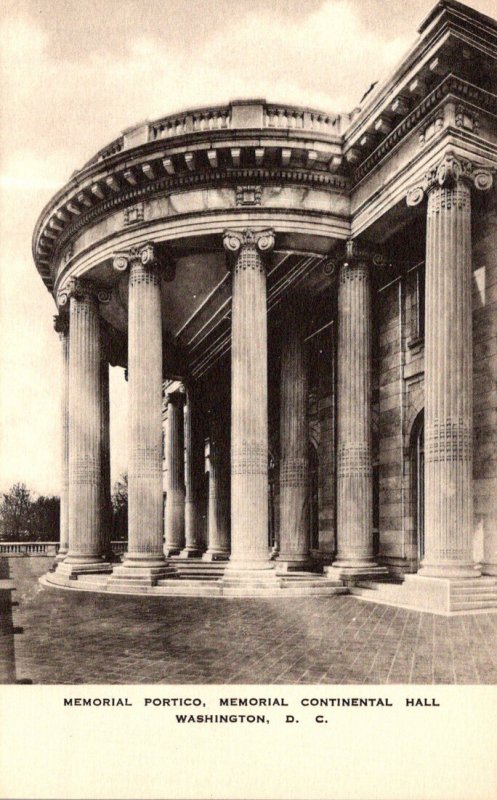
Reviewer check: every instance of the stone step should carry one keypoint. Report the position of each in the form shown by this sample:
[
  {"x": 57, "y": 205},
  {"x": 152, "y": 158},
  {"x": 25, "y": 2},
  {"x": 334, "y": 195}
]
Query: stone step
[
  {"x": 461, "y": 591},
  {"x": 316, "y": 583},
  {"x": 468, "y": 605},
  {"x": 473, "y": 598},
  {"x": 464, "y": 582},
  {"x": 191, "y": 582}
]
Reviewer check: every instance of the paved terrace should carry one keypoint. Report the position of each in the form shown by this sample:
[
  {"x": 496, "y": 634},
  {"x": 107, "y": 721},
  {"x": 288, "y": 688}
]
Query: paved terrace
[{"x": 80, "y": 637}]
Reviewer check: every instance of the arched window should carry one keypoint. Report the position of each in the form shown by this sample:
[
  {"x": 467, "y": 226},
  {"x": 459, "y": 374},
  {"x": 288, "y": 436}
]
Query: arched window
[{"x": 417, "y": 459}]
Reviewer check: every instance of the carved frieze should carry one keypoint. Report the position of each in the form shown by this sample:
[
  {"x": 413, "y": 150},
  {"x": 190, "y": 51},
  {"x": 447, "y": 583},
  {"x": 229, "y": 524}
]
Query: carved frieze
[
  {"x": 133, "y": 214},
  {"x": 248, "y": 195},
  {"x": 469, "y": 120},
  {"x": 432, "y": 127}
]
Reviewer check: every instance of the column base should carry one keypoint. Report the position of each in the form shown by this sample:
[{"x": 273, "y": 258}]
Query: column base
[
  {"x": 216, "y": 555},
  {"x": 456, "y": 570},
  {"x": 489, "y": 568},
  {"x": 295, "y": 563},
  {"x": 190, "y": 552},
  {"x": 343, "y": 570},
  {"x": 71, "y": 569},
  {"x": 141, "y": 573},
  {"x": 61, "y": 555},
  {"x": 172, "y": 550}
]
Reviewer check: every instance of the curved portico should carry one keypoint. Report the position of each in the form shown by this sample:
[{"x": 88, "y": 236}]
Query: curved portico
[{"x": 257, "y": 271}]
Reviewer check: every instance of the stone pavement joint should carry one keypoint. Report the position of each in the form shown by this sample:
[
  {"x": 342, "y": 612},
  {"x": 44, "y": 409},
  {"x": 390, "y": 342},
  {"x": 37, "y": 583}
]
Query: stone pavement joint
[{"x": 85, "y": 638}]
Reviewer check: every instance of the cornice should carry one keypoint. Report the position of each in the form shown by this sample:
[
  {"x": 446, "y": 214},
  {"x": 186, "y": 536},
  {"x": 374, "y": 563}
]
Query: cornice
[
  {"x": 451, "y": 85},
  {"x": 228, "y": 178}
]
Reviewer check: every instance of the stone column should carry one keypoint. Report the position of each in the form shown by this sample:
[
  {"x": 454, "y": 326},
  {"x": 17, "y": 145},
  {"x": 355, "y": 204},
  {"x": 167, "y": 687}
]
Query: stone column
[
  {"x": 449, "y": 368},
  {"x": 194, "y": 465},
  {"x": 175, "y": 475},
  {"x": 249, "y": 409},
  {"x": 106, "y": 487},
  {"x": 144, "y": 559},
  {"x": 61, "y": 324},
  {"x": 294, "y": 434},
  {"x": 354, "y": 458},
  {"x": 85, "y": 432},
  {"x": 218, "y": 508}
]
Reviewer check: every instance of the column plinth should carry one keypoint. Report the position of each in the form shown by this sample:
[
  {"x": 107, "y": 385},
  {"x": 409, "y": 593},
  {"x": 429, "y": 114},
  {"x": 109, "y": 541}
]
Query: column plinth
[
  {"x": 144, "y": 560},
  {"x": 449, "y": 369},
  {"x": 61, "y": 324},
  {"x": 249, "y": 409},
  {"x": 294, "y": 461},
  {"x": 85, "y": 551},
  {"x": 354, "y": 461},
  {"x": 218, "y": 547},
  {"x": 194, "y": 466},
  {"x": 175, "y": 480}
]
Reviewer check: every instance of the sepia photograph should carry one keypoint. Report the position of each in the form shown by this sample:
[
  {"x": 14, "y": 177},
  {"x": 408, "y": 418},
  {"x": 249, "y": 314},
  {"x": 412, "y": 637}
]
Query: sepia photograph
[{"x": 248, "y": 397}]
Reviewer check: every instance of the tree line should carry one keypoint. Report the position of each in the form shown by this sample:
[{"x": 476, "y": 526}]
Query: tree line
[{"x": 27, "y": 517}]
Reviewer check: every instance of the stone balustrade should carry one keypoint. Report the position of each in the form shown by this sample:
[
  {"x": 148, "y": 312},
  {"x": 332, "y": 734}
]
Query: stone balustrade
[
  {"x": 46, "y": 548},
  {"x": 246, "y": 114}
]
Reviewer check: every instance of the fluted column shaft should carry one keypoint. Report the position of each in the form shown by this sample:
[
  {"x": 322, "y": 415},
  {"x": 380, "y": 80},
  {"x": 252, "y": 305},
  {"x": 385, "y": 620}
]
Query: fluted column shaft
[
  {"x": 449, "y": 365},
  {"x": 144, "y": 416},
  {"x": 175, "y": 462},
  {"x": 354, "y": 465},
  {"x": 448, "y": 384},
  {"x": 294, "y": 460},
  {"x": 61, "y": 323},
  {"x": 194, "y": 466},
  {"x": 218, "y": 500},
  {"x": 249, "y": 409},
  {"x": 105, "y": 468},
  {"x": 85, "y": 430}
]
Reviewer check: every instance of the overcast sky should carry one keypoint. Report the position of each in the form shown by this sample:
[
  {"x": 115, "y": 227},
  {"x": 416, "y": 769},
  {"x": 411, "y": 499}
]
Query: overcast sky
[{"x": 74, "y": 73}]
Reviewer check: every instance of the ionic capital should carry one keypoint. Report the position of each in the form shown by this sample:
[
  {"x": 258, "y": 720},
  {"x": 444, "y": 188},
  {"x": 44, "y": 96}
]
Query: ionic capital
[
  {"x": 447, "y": 173},
  {"x": 146, "y": 256},
  {"x": 81, "y": 289},
  {"x": 176, "y": 398},
  {"x": 361, "y": 253},
  {"x": 61, "y": 324},
  {"x": 263, "y": 241}
]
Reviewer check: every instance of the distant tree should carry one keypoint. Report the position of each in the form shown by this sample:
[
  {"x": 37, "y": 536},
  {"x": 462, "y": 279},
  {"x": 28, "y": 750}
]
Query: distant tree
[
  {"x": 120, "y": 509},
  {"x": 15, "y": 512},
  {"x": 45, "y": 519}
]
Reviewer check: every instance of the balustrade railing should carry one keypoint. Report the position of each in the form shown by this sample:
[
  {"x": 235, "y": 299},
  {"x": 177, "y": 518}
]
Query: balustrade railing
[
  {"x": 45, "y": 548},
  {"x": 28, "y": 548},
  {"x": 221, "y": 118}
]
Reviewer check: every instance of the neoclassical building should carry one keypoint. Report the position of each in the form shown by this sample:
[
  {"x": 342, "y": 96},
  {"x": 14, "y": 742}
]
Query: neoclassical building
[{"x": 305, "y": 304}]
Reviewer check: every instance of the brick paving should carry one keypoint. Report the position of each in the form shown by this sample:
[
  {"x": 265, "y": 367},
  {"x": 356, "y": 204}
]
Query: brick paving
[{"x": 80, "y": 637}]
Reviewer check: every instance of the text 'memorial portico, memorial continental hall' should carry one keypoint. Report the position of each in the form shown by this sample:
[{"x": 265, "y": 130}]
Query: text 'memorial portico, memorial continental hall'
[{"x": 305, "y": 304}]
